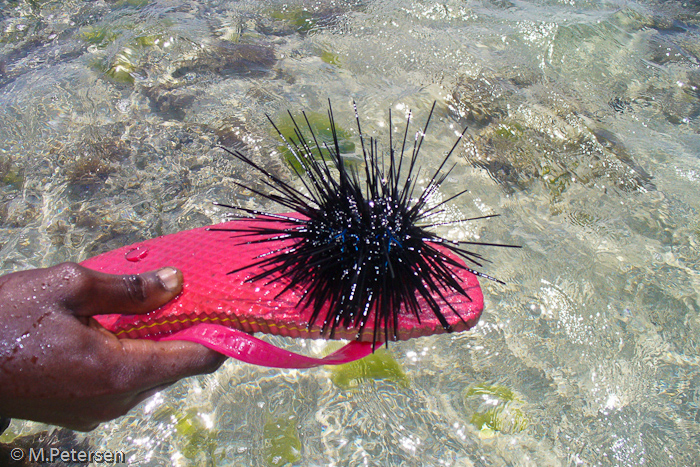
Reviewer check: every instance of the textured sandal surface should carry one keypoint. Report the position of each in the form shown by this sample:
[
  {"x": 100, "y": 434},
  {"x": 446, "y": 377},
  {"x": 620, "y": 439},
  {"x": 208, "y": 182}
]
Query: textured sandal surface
[{"x": 211, "y": 295}]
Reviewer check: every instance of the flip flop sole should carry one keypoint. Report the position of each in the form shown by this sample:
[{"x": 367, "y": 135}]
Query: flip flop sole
[{"x": 211, "y": 295}]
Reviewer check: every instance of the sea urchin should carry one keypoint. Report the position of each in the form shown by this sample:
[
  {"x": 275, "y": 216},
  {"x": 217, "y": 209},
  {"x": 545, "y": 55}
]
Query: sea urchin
[{"x": 359, "y": 243}]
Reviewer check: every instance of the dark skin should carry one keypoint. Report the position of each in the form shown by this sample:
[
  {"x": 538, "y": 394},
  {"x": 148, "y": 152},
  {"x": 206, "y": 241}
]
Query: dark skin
[{"x": 59, "y": 366}]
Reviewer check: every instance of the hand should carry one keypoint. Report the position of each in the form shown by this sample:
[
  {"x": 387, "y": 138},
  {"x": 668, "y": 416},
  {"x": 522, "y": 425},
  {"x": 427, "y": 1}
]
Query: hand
[{"x": 59, "y": 366}]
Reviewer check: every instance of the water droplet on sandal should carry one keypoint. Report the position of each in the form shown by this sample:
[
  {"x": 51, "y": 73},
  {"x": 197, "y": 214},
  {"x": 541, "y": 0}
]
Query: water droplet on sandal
[{"x": 137, "y": 254}]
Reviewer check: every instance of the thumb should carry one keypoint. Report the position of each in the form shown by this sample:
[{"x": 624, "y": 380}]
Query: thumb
[{"x": 96, "y": 293}]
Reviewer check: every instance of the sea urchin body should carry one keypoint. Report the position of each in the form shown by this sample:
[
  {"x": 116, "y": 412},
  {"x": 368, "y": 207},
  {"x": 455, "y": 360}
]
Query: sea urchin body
[{"x": 359, "y": 243}]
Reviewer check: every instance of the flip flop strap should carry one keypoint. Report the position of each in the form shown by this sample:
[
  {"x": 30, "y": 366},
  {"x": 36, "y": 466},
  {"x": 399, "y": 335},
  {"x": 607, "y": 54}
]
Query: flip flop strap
[{"x": 246, "y": 348}]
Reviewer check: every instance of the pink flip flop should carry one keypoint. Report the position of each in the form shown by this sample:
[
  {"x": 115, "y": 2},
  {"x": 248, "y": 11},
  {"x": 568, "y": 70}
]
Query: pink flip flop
[{"x": 221, "y": 310}]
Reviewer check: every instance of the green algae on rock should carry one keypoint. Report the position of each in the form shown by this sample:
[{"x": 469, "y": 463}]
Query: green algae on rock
[
  {"x": 281, "y": 442},
  {"x": 378, "y": 366},
  {"x": 495, "y": 408},
  {"x": 321, "y": 128},
  {"x": 199, "y": 439}
]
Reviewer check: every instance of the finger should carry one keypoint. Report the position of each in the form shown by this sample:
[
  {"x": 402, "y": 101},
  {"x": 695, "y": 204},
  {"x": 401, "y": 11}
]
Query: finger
[
  {"x": 145, "y": 364},
  {"x": 94, "y": 293}
]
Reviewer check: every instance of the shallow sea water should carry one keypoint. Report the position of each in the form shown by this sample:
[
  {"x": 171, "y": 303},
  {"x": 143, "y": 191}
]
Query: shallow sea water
[{"x": 584, "y": 135}]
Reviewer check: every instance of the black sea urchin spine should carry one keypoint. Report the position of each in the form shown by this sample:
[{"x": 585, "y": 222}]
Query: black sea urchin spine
[{"x": 362, "y": 248}]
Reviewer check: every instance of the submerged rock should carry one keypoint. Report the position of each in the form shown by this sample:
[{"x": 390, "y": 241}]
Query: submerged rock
[
  {"x": 519, "y": 158},
  {"x": 88, "y": 162},
  {"x": 480, "y": 100},
  {"x": 230, "y": 133},
  {"x": 555, "y": 145},
  {"x": 46, "y": 47},
  {"x": 305, "y": 18},
  {"x": 226, "y": 58},
  {"x": 168, "y": 101},
  {"x": 679, "y": 102}
]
